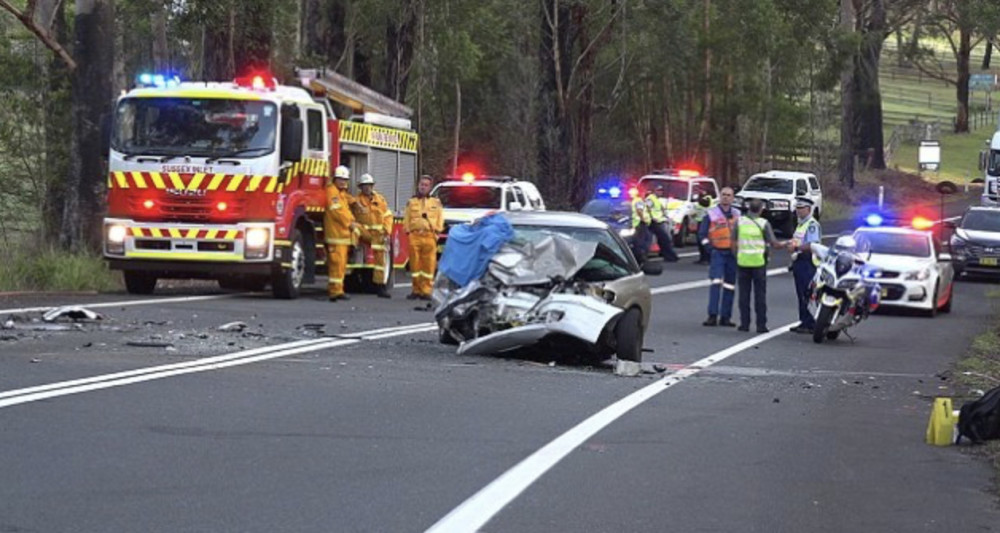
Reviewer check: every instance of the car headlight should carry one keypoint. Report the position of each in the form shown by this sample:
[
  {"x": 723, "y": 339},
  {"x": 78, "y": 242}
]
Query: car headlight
[
  {"x": 626, "y": 232},
  {"x": 256, "y": 243},
  {"x": 114, "y": 242},
  {"x": 919, "y": 275},
  {"x": 780, "y": 204}
]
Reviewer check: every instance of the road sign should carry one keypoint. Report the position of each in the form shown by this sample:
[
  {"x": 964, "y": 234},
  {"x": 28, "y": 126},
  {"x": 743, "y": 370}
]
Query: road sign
[
  {"x": 982, "y": 82},
  {"x": 929, "y": 155}
]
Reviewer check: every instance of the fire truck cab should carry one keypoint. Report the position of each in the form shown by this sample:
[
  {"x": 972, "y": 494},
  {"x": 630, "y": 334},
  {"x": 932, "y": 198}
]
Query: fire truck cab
[{"x": 227, "y": 181}]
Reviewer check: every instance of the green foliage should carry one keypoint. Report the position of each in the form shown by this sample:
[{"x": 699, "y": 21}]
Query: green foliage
[{"x": 47, "y": 269}]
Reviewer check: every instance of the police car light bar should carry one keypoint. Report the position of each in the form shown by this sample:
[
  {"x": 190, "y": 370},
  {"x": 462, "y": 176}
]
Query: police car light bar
[{"x": 874, "y": 219}]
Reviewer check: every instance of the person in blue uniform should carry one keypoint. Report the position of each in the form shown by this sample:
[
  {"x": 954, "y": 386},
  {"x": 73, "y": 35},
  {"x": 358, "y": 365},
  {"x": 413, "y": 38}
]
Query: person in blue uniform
[{"x": 807, "y": 232}]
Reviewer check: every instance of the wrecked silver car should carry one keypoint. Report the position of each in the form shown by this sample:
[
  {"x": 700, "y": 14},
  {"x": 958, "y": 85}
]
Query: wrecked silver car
[{"x": 564, "y": 281}]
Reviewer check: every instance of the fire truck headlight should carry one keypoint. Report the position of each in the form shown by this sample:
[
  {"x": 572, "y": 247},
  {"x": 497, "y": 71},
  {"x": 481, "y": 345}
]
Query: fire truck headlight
[
  {"x": 257, "y": 240},
  {"x": 115, "y": 243}
]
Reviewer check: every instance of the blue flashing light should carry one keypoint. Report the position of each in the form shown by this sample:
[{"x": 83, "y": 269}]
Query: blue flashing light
[
  {"x": 146, "y": 79},
  {"x": 602, "y": 191},
  {"x": 874, "y": 219},
  {"x": 615, "y": 192}
]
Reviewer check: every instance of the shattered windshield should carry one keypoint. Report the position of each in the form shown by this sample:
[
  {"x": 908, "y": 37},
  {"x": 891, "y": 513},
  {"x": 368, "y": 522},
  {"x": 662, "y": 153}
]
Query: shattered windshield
[
  {"x": 610, "y": 261},
  {"x": 469, "y": 197},
  {"x": 775, "y": 185},
  {"x": 195, "y": 126}
]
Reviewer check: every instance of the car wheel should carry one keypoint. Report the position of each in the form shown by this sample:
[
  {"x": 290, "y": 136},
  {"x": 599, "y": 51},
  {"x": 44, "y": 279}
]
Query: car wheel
[
  {"x": 832, "y": 336},
  {"x": 286, "y": 282},
  {"x": 139, "y": 282},
  {"x": 946, "y": 308},
  {"x": 932, "y": 312},
  {"x": 823, "y": 322},
  {"x": 628, "y": 336}
]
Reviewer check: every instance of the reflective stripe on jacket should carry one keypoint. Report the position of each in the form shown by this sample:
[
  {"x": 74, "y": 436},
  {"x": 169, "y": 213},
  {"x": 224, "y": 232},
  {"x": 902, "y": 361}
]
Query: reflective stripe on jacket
[
  {"x": 751, "y": 244},
  {"x": 721, "y": 229}
]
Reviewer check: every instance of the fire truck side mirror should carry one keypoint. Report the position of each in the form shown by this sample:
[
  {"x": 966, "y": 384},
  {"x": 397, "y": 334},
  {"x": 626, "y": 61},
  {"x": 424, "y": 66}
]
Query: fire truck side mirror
[
  {"x": 105, "y": 135},
  {"x": 291, "y": 140},
  {"x": 982, "y": 160}
]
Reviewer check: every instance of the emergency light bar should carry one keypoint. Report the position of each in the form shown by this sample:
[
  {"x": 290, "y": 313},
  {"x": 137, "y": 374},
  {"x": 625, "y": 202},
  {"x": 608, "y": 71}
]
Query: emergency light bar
[{"x": 160, "y": 81}]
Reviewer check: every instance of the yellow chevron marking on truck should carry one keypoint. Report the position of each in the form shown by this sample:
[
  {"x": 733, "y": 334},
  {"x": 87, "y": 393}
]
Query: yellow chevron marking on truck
[
  {"x": 211, "y": 233},
  {"x": 156, "y": 232},
  {"x": 140, "y": 182},
  {"x": 272, "y": 182},
  {"x": 231, "y": 234},
  {"x": 174, "y": 232},
  {"x": 254, "y": 183},
  {"x": 196, "y": 181},
  {"x": 157, "y": 180},
  {"x": 234, "y": 184},
  {"x": 216, "y": 180},
  {"x": 136, "y": 232},
  {"x": 192, "y": 233},
  {"x": 176, "y": 181},
  {"x": 122, "y": 182}
]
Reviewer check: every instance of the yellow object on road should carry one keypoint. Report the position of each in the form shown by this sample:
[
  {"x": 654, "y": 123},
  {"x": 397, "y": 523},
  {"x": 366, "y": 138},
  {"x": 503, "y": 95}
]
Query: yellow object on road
[{"x": 942, "y": 425}]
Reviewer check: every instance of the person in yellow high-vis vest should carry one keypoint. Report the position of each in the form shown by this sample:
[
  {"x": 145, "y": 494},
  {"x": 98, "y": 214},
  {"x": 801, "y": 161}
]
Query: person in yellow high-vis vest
[
  {"x": 753, "y": 235},
  {"x": 372, "y": 212},
  {"x": 423, "y": 221},
  {"x": 340, "y": 231}
]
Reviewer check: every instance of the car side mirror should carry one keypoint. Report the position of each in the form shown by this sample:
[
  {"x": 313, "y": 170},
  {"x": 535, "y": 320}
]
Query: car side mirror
[
  {"x": 982, "y": 160},
  {"x": 515, "y": 206},
  {"x": 652, "y": 269},
  {"x": 291, "y": 140}
]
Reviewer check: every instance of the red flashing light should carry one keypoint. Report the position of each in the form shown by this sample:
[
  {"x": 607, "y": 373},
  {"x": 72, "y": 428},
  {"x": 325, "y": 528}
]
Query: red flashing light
[
  {"x": 222, "y": 206},
  {"x": 688, "y": 173},
  {"x": 468, "y": 177},
  {"x": 633, "y": 192},
  {"x": 922, "y": 223},
  {"x": 148, "y": 204},
  {"x": 257, "y": 82}
]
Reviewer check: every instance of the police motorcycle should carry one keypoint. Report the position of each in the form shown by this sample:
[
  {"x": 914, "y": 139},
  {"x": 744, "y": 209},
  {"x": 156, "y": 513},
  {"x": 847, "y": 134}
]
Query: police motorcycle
[{"x": 843, "y": 289}]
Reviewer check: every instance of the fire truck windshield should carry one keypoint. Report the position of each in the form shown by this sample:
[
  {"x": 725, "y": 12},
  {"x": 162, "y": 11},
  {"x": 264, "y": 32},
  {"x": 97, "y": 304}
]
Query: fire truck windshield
[
  {"x": 196, "y": 127},
  {"x": 469, "y": 197},
  {"x": 672, "y": 188},
  {"x": 993, "y": 168}
]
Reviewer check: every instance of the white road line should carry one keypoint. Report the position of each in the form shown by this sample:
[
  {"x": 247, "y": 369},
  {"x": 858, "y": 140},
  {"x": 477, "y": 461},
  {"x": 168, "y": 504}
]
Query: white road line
[
  {"x": 33, "y": 394},
  {"x": 125, "y": 303},
  {"x": 479, "y": 509},
  {"x": 678, "y": 287}
]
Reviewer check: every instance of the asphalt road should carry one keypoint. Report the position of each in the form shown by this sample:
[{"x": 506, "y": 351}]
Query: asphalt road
[{"x": 276, "y": 428}]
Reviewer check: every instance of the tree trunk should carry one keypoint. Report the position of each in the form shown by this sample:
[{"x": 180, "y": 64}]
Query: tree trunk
[
  {"x": 253, "y": 30},
  {"x": 458, "y": 129},
  {"x": 962, "y": 90},
  {"x": 706, "y": 116},
  {"x": 868, "y": 106},
  {"x": 310, "y": 17},
  {"x": 161, "y": 53},
  {"x": 988, "y": 55},
  {"x": 94, "y": 28},
  {"x": 218, "y": 63},
  {"x": 845, "y": 164},
  {"x": 554, "y": 135},
  {"x": 399, "y": 39},
  {"x": 57, "y": 126}
]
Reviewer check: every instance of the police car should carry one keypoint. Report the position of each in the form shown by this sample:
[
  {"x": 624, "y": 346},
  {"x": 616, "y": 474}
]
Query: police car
[
  {"x": 473, "y": 196},
  {"x": 909, "y": 264},
  {"x": 684, "y": 190}
]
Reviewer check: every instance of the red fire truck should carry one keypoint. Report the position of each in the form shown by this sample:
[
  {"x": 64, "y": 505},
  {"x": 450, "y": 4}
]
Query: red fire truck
[{"x": 226, "y": 181}]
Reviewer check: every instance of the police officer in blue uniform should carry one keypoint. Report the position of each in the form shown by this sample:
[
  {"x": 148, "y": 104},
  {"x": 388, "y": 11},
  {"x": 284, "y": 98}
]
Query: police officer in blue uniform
[{"x": 807, "y": 232}]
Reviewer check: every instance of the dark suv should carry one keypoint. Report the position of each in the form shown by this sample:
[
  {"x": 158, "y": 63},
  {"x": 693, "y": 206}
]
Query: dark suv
[{"x": 975, "y": 243}]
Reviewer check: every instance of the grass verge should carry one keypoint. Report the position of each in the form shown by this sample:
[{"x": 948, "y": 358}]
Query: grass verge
[
  {"x": 979, "y": 370},
  {"x": 47, "y": 269},
  {"x": 903, "y": 192}
]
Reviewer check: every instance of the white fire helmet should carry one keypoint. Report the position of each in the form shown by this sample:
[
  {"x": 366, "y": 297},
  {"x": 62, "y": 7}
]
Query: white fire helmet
[
  {"x": 366, "y": 179},
  {"x": 342, "y": 172}
]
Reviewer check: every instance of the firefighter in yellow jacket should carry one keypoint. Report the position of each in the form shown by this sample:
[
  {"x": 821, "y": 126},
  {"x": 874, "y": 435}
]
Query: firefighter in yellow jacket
[
  {"x": 373, "y": 214},
  {"x": 340, "y": 231},
  {"x": 423, "y": 221}
]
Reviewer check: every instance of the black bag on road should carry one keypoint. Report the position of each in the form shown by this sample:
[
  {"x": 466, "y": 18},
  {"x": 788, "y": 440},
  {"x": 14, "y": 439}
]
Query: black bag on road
[{"x": 979, "y": 420}]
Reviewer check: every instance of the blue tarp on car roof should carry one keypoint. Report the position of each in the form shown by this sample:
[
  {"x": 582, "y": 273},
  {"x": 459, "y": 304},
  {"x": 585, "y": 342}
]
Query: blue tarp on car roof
[{"x": 470, "y": 247}]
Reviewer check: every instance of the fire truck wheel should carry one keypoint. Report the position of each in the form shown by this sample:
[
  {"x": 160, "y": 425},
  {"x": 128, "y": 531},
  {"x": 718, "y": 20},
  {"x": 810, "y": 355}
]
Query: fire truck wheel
[
  {"x": 139, "y": 282},
  {"x": 286, "y": 282}
]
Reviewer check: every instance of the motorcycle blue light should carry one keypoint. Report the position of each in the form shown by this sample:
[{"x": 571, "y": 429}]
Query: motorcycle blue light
[
  {"x": 874, "y": 219},
  {"x": 615, "y": 192}
]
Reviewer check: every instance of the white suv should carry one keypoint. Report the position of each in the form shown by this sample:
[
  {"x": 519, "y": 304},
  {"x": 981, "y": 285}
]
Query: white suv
[
  {"x": 473, "y": 196},
  {"x": 779, "y": 189}
]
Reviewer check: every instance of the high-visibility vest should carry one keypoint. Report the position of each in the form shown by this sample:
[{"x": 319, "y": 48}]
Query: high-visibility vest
[
  {"x": 640, "y": 213},
  {"x": 799, "y": 236},
  {"x": 720, "y": 228},
  {"x": 750, "y": 239},
  {"x": 655, "y": 207}
]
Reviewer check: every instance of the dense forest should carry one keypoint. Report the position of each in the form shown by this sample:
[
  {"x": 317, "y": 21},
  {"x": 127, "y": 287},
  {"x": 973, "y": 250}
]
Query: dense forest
[{"x": 563, "y": 92}]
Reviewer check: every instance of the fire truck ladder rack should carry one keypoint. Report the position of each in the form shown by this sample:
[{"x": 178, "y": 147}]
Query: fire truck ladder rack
[{"x": 350, "y": 93}]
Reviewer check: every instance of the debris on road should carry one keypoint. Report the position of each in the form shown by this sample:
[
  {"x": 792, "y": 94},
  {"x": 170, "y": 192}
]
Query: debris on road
[
  {"x": 149, "y": 344},
  {"x": 628, "y": 369},
  {"x": 236, "y": 327},
  {"x": 72, "y": 312}
]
